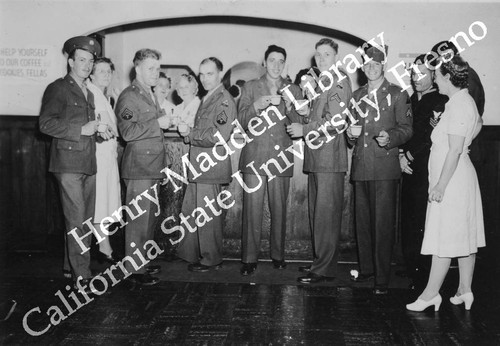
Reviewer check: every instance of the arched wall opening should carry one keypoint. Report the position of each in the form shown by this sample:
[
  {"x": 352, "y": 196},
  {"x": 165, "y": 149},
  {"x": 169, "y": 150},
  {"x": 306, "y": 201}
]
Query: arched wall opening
[{"x": 185, "y": 41}]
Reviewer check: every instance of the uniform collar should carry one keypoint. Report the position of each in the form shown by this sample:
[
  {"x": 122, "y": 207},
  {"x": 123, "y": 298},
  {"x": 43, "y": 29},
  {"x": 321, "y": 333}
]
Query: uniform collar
[
  {"x": 264, "y": 83},
  {"x": 142, "y": 87},
  {"x": 80, "y": 84},
  {"x": 382, "y": 89},
  {"x": 211, "y": 92}
]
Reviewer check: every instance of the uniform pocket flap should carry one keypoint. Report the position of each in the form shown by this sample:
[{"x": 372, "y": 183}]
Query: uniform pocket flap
[{"x": 69, "y": 145}]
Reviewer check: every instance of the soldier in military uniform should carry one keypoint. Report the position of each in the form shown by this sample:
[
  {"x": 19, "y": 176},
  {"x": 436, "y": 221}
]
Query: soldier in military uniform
[
  {"x": 140, "y": 122},
  {"x": 256, "y": 98},
  {"x": 325, "y": 161},
  {"x": 67, "y": 115},
  {"x": 383, "y": 110},
  {"x": 217, "y": 111}
]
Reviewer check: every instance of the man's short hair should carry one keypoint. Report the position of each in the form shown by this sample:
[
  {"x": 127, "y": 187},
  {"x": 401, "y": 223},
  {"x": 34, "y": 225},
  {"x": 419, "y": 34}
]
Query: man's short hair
[
  {"x": 306, "y": 71},
  {"x": 145, "y": 53},
  {"x": 274, "y": 48},
  {"x": 216, "y": 61},
  {"x": 328, "y": 42}
]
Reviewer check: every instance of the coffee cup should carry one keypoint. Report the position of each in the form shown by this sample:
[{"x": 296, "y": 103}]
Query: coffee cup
[
  {"x": 275, "y": 100},
  {"x": 182, "y": 128},
  {"x": 356, "y": 130},
  {"x": 102, "y": 127}
]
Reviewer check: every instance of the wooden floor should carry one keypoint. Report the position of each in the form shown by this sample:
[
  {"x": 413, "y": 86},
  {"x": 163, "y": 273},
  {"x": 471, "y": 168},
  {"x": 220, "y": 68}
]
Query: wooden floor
[{"x": 185, "y": 310}]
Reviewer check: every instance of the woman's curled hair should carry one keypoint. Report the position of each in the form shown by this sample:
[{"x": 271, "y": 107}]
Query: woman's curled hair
[{"x": 458, "y": 70}]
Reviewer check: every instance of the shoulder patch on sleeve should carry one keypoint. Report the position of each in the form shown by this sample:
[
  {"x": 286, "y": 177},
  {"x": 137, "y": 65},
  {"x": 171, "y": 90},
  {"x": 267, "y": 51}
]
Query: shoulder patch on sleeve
[
  {"x": 126, "y": 114},
  {"x": 335, "y": 97},
  {"x": 221, "y": 118}
]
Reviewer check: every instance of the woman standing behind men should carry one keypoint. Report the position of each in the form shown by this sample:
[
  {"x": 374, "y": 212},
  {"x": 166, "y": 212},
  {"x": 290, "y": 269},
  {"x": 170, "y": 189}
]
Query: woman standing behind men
[
  {"x": 161, "y": 91},
  {"x": 454, "y": 225},
  {"x": 107, "y": 178},
  {"x": 187, "y": 89}
]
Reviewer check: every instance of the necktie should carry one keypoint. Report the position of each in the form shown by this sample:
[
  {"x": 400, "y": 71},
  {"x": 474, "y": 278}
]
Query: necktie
[{"x": 84, "y": 89}]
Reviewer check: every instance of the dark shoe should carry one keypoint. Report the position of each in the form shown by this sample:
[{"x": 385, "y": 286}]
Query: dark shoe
[
  {"x": 103, "y": 258},
  {"x": 313, "y": 278},
  {"x": 144, "y": 279},
  {"x": 248, "y": 268},
  {"x": 198, "y": 268},
  {"x": 83, "y": 286},
  {"x": 380, "y": 290},
  {"x": 279, "y": 264},
  {"x": 305, "y": 269},
  {"x": 363, "y": 277},
  {"x": 67, "y": 274},
  {"x": 153, "y": 269}
]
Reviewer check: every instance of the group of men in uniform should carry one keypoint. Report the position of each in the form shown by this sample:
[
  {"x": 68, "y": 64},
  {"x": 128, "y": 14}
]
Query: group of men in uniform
[{"x": 67, "y": 115}]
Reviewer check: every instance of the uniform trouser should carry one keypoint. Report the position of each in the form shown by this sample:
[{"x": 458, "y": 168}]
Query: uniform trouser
[
  {"x": 326, "y": 197},
  {"x": 375, "y": 203},
  {"x": 204, "y": 245},
  {"x": 414, "y": 195},
  {"x": 142, "y": 228},
  {"x": 77, "y": 193},
  {"x": 253, "y": 214}
]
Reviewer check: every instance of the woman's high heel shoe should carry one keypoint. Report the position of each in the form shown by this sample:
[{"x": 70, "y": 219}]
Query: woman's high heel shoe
[
  {"x": 421, "y": 305},
  {"x": 466, "y": 298}
]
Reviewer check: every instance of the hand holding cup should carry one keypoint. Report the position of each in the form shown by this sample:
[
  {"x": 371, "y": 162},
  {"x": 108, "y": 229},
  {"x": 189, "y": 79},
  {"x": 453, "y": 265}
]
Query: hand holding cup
[{"x": 355, "y": 130}]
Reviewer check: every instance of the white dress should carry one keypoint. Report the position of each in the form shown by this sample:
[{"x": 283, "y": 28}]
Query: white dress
[
  {"x": 168, "y": 107},
  {"x": 454, "y": 227},
  {"x": 108, "y": 193},
  {"x": 187, "y": 113}
]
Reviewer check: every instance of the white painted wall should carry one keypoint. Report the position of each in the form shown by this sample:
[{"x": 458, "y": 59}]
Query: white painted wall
[
  {"x": 231, "y": 43},
  {"x": 408, "y": 28}
]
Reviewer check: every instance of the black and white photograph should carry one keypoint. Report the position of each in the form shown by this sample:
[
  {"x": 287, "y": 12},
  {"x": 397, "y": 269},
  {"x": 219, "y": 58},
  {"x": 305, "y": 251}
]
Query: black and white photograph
[{"x": 249, "y": 172}]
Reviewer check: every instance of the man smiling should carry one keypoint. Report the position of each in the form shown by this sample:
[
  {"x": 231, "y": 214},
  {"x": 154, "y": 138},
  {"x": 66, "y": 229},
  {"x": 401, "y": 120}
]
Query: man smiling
[
  {"x": 140, "y": 121},
  {"x": 386, "y": 119},
  {"x": 326, "y": 163},
  {"x": 213, "y": 124},
  {"x": 263, "y": 95},
  {"x": 68, "y": 116}
]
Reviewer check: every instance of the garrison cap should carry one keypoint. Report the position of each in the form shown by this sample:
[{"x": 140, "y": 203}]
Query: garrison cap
[
  {"x": 376, "y": 54},
  {"x": 83, "y": 42}
]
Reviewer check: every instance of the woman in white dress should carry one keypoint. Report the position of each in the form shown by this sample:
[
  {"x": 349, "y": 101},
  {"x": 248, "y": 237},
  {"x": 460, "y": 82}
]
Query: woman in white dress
[
  {"x": 454, "y": 223},
  {"x": 187, "y": 89},
  {"x": 161, "y": 90},
  {"x": 108, "y": 196}
]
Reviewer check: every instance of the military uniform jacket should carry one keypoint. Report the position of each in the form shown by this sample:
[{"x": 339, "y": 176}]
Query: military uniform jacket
[
  {"x": 64, "y": 111},
  {"x": 144, "y": 156},
  {"x": 274, "y": 139},
  {"x": 215, "y": 114},
  {"x": 420, "y": 144},
  {"x": 369, "y": 160},
  {"x": 331, "y": 156}
]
